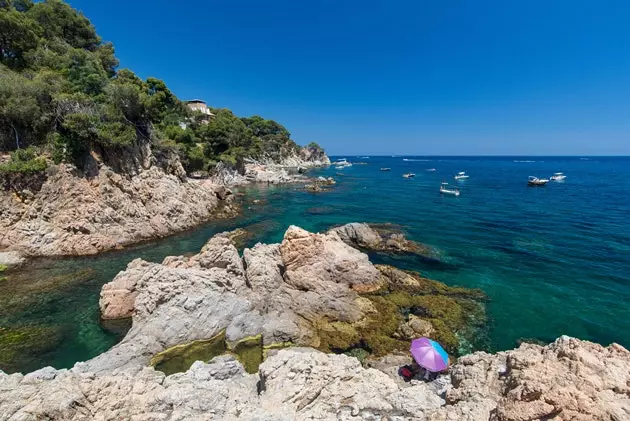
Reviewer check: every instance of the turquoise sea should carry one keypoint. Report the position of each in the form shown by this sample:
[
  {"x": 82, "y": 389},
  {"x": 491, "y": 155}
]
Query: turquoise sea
[{"x": 553, "y": 260}]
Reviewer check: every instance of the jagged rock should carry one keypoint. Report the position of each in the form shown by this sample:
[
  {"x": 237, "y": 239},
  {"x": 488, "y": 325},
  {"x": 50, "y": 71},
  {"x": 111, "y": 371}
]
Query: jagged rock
[
  {"x": 76, "y": 215},
  {"x": 315, "y": 261},
  {"x": 314, "y": 156},
  {"x": 282, "y": 296},
  {"x": 415, "y": 327},
  {"x": 381, "y": 238}
]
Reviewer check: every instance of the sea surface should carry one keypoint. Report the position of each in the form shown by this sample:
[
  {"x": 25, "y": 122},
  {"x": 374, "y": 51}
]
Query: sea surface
[{"x": 553, "y": 260}]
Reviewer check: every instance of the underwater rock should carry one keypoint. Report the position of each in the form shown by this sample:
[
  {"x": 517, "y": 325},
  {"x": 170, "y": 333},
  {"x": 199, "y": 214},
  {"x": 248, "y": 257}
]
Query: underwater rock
[{"x": 383, "y": 238}]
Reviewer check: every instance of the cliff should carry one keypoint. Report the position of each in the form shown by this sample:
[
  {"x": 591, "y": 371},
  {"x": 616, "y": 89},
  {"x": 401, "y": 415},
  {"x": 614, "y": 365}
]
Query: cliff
[
  {"x": 218, "y": 336},
  {"x": 120, "y": 197},
  {"x": 115, "y": 200}
]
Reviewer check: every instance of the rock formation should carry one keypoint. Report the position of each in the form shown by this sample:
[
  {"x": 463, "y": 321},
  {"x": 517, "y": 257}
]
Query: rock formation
[
  {"x": 78, "y": 215},
  {"x": 119, "y": 200},
  {"x": 382, "y": 237},
  {"x": 567, "y": 380},
  {"x": 202, "y": 326}
]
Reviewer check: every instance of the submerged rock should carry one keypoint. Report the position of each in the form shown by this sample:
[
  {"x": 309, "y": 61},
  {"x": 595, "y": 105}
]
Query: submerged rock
[{"x": 382, "y": 237}]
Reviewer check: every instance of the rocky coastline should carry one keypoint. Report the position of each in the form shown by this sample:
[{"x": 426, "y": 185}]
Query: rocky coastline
[
  {"x": 218, "y": 335},
  {"x": 118, "y": 200}
]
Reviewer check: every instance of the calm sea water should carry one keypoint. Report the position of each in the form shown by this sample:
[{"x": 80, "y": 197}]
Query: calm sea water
[{"x": 553, "y": 260}]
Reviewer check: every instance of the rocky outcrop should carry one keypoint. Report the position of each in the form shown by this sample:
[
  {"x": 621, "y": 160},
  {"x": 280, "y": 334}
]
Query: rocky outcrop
[
  {"x": 235, "y": 312},
  {"x": 314, "y": 155},
  {"x": 280, "y": 292},
  {"x": 567, "y": 380},
  {"x": 78, "y": 215},
  {"x": 11, "y": 259},
  {"x": 382, "y": 237},
  {"x": 313, "y": 262}
]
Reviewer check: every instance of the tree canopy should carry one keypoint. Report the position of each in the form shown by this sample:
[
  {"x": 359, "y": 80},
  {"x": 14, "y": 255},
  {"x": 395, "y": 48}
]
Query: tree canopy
[{"x": 62, "y": 94}]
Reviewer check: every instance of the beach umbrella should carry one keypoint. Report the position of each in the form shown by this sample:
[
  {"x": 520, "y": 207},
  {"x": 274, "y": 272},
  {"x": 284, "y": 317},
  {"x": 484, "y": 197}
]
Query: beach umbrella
[{"x": 429, "y": 354}]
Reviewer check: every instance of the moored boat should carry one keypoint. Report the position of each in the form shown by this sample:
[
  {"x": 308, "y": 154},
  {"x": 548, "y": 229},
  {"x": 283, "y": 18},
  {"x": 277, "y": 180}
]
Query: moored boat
[
  {"x": 558, "y": 177},
  {"x": 447, "y": 189},
  {"x": 386, "y": 169},
  {"x": 535, "y": 181},
  {"x": 409, "y": 175},
  {"x": 461, "y": 176}
]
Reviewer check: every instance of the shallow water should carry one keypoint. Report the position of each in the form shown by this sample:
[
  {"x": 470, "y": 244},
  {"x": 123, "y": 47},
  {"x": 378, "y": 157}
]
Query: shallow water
[{"x": 554, "y": 260}]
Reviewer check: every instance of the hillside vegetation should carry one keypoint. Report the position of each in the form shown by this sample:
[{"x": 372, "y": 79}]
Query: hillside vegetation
[{"x": 63, "y": 96}]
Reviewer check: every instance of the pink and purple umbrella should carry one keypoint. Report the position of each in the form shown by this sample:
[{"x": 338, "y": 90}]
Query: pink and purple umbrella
[{"x": 429, "y": 354}]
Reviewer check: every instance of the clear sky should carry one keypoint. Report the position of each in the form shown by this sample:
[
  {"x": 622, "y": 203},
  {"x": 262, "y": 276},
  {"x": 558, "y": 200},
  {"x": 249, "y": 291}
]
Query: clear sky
[{"x": 451, "y": 77}]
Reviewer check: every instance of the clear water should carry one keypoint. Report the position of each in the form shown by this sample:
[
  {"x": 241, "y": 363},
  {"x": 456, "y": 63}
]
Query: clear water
[{"x": 553, "y": 260}]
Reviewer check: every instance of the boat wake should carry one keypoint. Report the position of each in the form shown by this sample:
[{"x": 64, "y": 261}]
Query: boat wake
[{"x": 416, "y": 160}]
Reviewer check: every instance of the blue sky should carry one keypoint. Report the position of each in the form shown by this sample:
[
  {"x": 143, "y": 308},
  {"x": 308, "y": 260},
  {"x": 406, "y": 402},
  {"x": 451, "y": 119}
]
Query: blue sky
[{"x": 450, "y": 77}]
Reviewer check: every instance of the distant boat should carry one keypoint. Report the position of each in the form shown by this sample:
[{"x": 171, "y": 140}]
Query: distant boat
[
  {"x": 409, "y": 175},
  {"x": 445, "y": 188},
  {"x": 535, "y": 181},
  {"x": 558, "y": 177},
  {"x": 386, "y": 169},
  {"x": 461, "y": 176},
  {"x": 430, "y": 169},
  {"x": 341, "y": 164}
]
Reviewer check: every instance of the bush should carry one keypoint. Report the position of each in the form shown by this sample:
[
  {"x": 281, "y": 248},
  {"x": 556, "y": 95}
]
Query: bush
[{"x": 24, "y": 161}]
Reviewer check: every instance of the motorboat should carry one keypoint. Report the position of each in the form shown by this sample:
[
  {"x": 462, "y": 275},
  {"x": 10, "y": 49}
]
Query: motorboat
[
  {"x": 558, "y": 177},
  {"x": 342, "y": 163},
  {"x": 535, "y": 181},
  {"x": 445, "y": 188},
  {"x": 409, "y": 175},
  {"x": 430, "y": 169},
  {"x": 461, "y": 176},
  {"x": 386, "y": 169}
]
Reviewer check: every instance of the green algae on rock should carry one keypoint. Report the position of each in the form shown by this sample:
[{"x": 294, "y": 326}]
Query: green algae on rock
[
  {"x": 21, "y": 345},
  {"x": 450, "y": 315},
  {"x": 249, "y": 352},
  {"x": 179, "y": 358}
]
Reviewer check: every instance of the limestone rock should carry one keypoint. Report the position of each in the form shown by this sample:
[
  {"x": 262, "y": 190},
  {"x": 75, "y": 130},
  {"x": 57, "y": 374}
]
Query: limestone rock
[{"x": 315, "y": 262}]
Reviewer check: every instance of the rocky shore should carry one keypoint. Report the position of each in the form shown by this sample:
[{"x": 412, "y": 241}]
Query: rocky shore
[
  {"x": 220, "y": 336},
  {"x": 120, "y": 200}
]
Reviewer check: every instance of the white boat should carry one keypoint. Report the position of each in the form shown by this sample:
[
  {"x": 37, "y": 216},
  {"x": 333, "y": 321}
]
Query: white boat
[
  {"x": 535, "y": 181},
  {"x": 409, "y": 175},
  {"x": 445, "y": 188},
  {"x": 386, "y": 169},
  {"x": 558, "y": 177},
  {"x": 342, "y": 163},
  {"x": 430, "y": 169},
  {"x": 461, "y": 176}
]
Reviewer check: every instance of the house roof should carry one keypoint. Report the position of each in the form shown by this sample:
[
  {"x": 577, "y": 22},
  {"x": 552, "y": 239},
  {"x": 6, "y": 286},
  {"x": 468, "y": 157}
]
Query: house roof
[{"x": 195, "y": 101}]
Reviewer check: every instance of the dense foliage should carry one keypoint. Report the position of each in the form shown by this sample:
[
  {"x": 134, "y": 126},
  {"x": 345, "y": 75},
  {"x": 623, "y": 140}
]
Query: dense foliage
[{"x": 62, "y": 96}]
